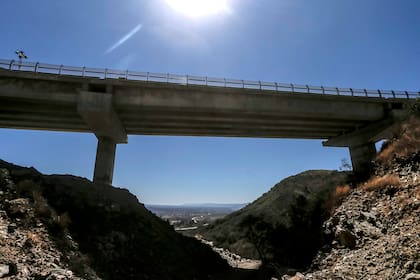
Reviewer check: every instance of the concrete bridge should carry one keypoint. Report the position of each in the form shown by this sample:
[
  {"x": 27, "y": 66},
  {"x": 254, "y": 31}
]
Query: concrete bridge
[{"x": 113, "y": 104}]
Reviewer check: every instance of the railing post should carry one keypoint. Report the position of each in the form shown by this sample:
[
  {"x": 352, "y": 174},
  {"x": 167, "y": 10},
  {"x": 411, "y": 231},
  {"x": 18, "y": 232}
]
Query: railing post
[
  {"x": 83, "y": 71},
  {"x": 293, "y": 87},
  {"x": 225, "y": 81},
  {"x": 307, "y": 88},
  {"x": 187, "y": 81},
  {"x": 36, "y": 66},
  {"x": 167, "y": 78},
  {"x": 126, "y": 74},
  {"x": 277, "y": 86},
  {"x": 366, "y": 94},
  {"x": 323, "y": 90},
  {"x": 105, "y": 73},
  {"x": 147, "y": 76},
  {"x": 207, "y": 82},
  {"x": 259, "y": 82},
  {"x": 11, "y": 64},
  {"x": 352, "y": 93},
  {"x": 380, "y": 93},
  {"x": 338, "y": 91},
  {"x": 406, "y": 93},
  {"x": 393, "y": 93},
  {"x": 60, "y": 69}
]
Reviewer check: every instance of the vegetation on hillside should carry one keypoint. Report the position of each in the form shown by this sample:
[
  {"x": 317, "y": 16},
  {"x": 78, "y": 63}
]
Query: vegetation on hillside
[{"x": 282, "y": 223}]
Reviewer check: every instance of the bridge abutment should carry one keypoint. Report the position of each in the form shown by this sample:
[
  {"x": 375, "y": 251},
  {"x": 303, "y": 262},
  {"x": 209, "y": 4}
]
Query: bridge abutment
[
  {"x": 105, "y": 159},
  {"x": 361, "y": 158}
]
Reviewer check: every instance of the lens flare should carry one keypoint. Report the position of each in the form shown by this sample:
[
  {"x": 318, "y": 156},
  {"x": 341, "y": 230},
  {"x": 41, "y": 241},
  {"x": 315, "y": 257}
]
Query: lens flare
[{"x": 199, "y": 8}]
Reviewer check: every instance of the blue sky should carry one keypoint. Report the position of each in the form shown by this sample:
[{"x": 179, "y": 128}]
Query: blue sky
[{"x": 359, "y": 44}]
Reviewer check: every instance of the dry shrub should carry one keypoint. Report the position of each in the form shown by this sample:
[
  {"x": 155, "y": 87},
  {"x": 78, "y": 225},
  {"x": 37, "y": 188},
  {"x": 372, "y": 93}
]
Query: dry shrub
[
  {"x": 63, "y": 220},
  {"x": 40, "y": 205},
  {"x": 33, "y": 240},
  {"x": 405, "y": 142},
  {"x": 376, "y": 183},
  {"x": 337, "y": 197}
]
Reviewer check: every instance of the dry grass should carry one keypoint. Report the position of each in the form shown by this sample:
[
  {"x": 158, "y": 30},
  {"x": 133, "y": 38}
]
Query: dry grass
[
  {"x": 405, "y": 142},
  {"x": 376, "y": 183},
  {"x": 337, "y": 197},
  {"x": 342, "y": 191}
]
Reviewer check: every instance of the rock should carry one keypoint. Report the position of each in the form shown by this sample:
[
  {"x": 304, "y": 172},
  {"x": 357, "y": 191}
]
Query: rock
[
  {"x": 7, "y": 270},
  {"x": 4, "y": 270},
  {"x": 412, "y": 276},
  {"x": 60, "y": 274},
  {"x": 17, "y": 207},
  {"x": 346, "y": 238}
]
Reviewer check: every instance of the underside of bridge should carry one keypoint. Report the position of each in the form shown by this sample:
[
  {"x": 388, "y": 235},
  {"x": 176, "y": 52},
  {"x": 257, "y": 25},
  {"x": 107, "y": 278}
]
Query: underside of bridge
[{"x": 112, "y": 109}]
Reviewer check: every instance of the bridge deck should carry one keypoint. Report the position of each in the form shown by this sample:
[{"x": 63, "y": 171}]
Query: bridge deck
[
  {"x": 113, "y": 103},
  {"x": 43, "y": 96}
]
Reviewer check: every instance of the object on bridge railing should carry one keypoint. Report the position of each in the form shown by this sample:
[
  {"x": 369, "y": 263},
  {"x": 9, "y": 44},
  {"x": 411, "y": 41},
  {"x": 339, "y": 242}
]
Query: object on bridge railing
[{"x": 197, "y": 80}]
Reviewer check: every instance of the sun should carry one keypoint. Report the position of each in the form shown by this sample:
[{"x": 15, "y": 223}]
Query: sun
[{"x": 199, "y": 8}]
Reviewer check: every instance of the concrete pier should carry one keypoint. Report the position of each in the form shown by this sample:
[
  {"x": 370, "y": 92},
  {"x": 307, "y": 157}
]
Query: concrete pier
[
  {"x": 361, "y": 158},
  {"x": 104, "y": 164}
]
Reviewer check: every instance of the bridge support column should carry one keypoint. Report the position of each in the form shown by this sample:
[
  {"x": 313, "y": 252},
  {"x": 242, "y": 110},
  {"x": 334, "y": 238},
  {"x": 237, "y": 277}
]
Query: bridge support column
[
  {"x": 361, "y": 158},
  {"x": 104, "y": 164},
  {"x": 97, "y": 109}
]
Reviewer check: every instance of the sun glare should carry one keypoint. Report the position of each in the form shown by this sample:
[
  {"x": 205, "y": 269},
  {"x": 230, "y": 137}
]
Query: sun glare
[{"x": 199, "y": 8}]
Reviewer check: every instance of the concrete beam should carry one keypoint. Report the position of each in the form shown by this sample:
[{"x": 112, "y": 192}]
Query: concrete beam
[
  {"x": 361, "y": 158},
  {"x": 104, "y": 164},
  {"x": 96, "y": 108},
  {"x": 370, "y": 133}
]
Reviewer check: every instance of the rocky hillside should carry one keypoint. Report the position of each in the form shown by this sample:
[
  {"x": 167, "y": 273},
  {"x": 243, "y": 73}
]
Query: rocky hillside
[
  {"x": 375, "y": 232},
  {"x": 64, "y": 227},
  {"x": 282, "y": 223}
]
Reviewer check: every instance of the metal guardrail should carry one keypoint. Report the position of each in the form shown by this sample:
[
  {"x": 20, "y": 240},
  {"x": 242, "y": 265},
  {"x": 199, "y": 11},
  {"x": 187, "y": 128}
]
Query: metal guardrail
[{"x": 197, "y": 80}]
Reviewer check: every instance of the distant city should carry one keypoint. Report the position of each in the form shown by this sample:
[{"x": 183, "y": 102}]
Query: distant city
[{"x": 188, "y": 218}]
